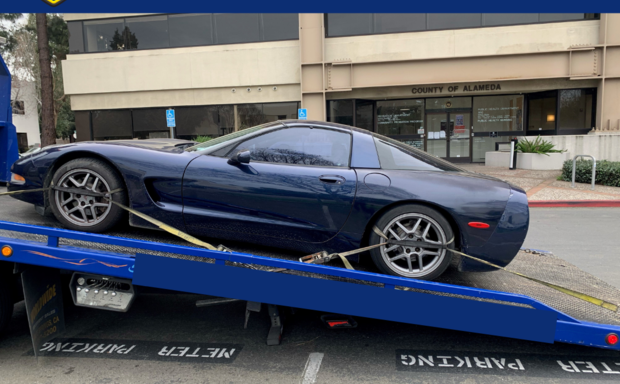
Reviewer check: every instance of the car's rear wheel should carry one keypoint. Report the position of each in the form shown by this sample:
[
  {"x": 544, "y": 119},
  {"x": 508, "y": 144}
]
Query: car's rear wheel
[
  {"x": 413, "y": 223},
  {"x": 84, "y": 212}
]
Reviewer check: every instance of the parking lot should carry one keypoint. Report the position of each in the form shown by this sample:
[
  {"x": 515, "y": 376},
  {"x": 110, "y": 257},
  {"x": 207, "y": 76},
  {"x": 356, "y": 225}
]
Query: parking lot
[{"x": 166, "y": 338}]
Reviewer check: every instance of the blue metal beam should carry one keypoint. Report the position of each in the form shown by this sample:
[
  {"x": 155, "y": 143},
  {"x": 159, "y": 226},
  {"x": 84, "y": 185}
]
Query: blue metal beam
[{"x": 539, "y": 323}]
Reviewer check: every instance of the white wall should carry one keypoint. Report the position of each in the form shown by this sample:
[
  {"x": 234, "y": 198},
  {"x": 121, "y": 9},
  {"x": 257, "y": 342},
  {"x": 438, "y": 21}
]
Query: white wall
[
  {"x": 602, "y": 147},
  {"x": 29, "y": 122}
]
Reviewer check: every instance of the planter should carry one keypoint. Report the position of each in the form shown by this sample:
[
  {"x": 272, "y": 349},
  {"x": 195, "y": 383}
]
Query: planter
[{"x": 533, "y": 161}]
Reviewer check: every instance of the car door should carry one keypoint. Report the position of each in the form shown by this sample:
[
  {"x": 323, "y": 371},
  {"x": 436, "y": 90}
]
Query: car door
[{"x": 298, "y": 186}]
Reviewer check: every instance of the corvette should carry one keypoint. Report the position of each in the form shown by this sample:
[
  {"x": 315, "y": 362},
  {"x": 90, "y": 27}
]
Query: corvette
[{"x": 294, "y": 184}]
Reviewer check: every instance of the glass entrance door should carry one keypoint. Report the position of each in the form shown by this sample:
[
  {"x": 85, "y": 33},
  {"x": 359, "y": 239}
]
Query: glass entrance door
[{"x": 448, "y": 135}]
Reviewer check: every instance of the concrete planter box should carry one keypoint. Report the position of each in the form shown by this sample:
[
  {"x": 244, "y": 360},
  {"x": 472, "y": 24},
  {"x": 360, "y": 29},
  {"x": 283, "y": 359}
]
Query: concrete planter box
[{"x": 527, "y": 160}]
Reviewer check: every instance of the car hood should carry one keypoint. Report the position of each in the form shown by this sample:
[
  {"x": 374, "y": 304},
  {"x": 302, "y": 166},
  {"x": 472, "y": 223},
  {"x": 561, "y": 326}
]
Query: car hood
[{"x": 166, "y": 145}]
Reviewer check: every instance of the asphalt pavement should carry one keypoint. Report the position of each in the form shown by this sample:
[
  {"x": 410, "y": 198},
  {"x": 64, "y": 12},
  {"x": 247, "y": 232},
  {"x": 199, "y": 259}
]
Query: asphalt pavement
[
  {"x": 585, "y": 237},
  {"x": 163, "y": 334}
]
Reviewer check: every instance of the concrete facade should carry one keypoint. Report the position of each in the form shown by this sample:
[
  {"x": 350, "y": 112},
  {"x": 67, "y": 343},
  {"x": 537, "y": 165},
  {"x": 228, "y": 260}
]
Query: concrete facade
[
  {"x": 28, "y": 122},
  {"x": 314, "y": 69}
]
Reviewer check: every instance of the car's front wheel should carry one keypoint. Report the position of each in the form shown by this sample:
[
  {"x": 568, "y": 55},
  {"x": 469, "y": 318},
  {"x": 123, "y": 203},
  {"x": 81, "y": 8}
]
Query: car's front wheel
[
  {"x": 413, "y": 223},
  {"x": 84, "y": 211}
]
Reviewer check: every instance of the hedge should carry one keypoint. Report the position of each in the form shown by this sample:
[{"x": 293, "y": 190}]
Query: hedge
[{"x": 607, "y": 172}]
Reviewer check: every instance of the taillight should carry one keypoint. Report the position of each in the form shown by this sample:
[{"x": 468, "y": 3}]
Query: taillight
[
  {"x": 611, "y": 339},
  {"x": 478, "y": 224}
]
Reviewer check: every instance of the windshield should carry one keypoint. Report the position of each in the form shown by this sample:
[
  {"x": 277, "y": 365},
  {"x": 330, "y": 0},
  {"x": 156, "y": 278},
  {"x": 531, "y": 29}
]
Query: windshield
[{"x": 221, "y": 141}]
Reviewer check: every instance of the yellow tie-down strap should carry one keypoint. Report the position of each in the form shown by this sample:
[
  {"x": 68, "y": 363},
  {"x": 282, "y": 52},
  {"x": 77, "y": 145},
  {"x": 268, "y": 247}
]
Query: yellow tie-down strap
[{"x": 324, "y": 257}]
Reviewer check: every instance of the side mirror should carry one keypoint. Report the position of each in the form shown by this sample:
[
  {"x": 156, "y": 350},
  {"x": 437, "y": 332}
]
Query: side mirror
[{"x": 241, "y": 157}]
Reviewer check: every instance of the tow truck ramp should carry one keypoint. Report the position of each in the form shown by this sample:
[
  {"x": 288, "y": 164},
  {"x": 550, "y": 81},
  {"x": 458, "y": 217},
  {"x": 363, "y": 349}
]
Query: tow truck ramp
[{"x": 106, "y": 269}]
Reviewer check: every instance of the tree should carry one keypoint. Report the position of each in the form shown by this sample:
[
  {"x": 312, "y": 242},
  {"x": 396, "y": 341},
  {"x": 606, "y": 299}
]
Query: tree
[
  {"x": 23, "y": 59},
  {"x": 48, "y": 129}
]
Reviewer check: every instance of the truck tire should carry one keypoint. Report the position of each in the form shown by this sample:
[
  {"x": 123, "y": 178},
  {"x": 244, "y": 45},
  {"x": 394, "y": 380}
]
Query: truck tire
[
  {"x": 82, "y": 212},
  {"x": 412, "y": 222},
  {"x": 6, "y": 304}
]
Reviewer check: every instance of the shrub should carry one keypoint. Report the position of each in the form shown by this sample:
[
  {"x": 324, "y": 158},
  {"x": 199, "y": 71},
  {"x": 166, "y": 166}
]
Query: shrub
[
  {"x": 202, "y": 139},
  {"x": 607, "y": 172},
  {"x": 538, "y": 145}
]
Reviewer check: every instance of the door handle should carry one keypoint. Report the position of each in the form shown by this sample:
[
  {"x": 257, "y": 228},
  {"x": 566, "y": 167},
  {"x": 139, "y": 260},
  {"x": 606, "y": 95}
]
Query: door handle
[{"x": 332, "y": 179}]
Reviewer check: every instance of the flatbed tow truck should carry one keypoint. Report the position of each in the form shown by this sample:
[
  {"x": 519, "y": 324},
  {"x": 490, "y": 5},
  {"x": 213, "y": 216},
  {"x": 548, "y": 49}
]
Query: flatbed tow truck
[{"x": 108, "y": 271}]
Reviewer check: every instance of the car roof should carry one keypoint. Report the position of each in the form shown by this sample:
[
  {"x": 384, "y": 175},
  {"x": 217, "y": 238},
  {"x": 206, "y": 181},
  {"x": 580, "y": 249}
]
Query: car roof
[{"x": 324, "y": 124}]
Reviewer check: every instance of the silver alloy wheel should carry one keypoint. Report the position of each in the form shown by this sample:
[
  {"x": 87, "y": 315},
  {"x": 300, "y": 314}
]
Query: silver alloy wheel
[
  {"x": 79, "y": 209},
  {"x": 412, "y": 261}
]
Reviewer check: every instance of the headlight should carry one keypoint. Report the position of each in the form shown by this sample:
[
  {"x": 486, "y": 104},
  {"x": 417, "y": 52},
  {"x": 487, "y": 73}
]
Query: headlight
[{"x": 17, "y": 179}]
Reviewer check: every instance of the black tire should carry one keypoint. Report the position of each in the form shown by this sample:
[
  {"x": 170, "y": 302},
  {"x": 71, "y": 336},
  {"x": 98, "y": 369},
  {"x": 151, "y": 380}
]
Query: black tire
[
  {"x": 94, "y": 214},
  {"x": 408, "y": 215},
  {"x": 6, "y": 303}
]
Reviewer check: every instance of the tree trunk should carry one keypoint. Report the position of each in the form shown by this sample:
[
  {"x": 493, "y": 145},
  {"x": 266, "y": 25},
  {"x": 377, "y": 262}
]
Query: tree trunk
[{"x": 48, "y": 129}]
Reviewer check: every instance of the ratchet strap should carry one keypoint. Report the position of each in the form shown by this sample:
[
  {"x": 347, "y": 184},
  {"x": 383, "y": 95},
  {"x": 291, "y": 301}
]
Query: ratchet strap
[
  {"x": 579, "y": 295},
  {"x": 320, "y": 257}
]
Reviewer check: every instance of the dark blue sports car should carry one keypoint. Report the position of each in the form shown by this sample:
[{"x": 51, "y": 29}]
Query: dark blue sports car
[{"x": 303, "y": 185}]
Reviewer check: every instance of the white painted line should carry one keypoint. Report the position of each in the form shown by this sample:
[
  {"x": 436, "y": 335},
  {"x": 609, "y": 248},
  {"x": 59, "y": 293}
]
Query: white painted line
[{"x": 312, "y": 368}]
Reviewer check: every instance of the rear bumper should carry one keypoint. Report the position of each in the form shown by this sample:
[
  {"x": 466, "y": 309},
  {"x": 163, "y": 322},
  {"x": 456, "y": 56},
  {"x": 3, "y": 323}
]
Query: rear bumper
[{"x": 506, "y": 240}]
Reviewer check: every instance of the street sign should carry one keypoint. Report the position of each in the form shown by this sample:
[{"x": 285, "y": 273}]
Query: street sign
[
  {"x": 302, "y": 114},
  {"x": 170, "y": 118}
]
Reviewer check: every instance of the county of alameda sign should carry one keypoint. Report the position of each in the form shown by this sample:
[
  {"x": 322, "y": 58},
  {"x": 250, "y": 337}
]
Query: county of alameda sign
[{"x": 457, "y": 88}]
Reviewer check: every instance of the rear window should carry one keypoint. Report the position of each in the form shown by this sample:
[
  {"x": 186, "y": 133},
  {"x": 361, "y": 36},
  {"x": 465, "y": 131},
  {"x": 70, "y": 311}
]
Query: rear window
[{"x": 394, "y": 155}]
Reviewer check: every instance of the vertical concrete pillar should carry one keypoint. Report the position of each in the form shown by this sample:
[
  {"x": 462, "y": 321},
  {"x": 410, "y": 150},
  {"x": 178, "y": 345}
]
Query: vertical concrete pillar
[
  {"x": 608, "y": 96},
  {"x": 312, "y": 51}
]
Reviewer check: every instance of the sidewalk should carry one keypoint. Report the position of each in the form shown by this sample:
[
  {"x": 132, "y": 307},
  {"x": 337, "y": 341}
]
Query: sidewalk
[{"x": 543, "y": 188}]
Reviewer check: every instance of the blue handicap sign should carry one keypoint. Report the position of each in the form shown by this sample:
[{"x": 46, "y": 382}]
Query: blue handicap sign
[
  {"x": 170, "y": 119},
  {"x": 302, "y": 114}
]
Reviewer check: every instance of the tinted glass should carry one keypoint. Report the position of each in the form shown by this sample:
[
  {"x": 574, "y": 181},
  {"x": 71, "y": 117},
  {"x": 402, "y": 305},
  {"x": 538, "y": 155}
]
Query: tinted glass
[
  {"x": 346, "y": 24},
  {"x": 149, "y": 32},
  {"x": 340, "y": 111},
  {"x": 150, "y": 123},
  {"x": 399, "y": 22},
  {"x": 212, "y": 121},
  {"x": 400, "y": 117},
  {"x": 576, "y": 109},
  {"x": 233, "y": 28},
  {"x": 76, "y": 37},
  {"x": 112, "y": 125},
  {"x": 250, "y": 115},
  {"x": 395, "y": 155},
  {"x": 498, "y": 113},
  {"x": 561, "y": 16},
  {"x": 492, "y": 19},
  {"x": 82, "y": 125},
  {"x": 302, "y": 146},
  {"x": 453, "y": 20},
  {"x": 482, "y": 145},
  {"x": 104, "y": 35},
  {"x": 228, "y": 140},
  {"x": 280, "y": 26},
  {"x": 189, "y": 29},
  {"x": 365, "y": 114},
  {"x": 542, "y": 114}
]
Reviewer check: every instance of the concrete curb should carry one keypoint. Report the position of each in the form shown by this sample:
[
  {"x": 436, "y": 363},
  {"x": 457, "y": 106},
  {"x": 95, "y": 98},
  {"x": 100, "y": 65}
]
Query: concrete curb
[{"x": 576, "y": 204}]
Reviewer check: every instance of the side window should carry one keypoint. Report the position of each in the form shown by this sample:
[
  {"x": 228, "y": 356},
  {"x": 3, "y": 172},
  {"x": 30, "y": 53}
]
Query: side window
[
  {"x": 303, "y": 146},
  {"x": 396, "y": 156}
]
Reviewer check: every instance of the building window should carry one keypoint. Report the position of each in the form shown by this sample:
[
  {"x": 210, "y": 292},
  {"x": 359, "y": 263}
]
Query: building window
[
  {"x": 353, "y": 24},
  {"x": 103, "y": 35},
  {"x": 209, "y": 120},
  {"x": 150, "y": 123},
  {"x": 190, "y": 29},
  {"x": 180, "y": 30},
  {"x": 250, "y": 115},
  {"x": 576, "y": 110},
  {"x": 498, "y": 113},
  {"x": 18, "y": 107},
  {"x": 340, "y": 111},
  {"x": 147, "y": 32},
  {"x": 112, "y": 125},
  {"x": 400, "y": 117},
  {"x": 542, "y": 113}
]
